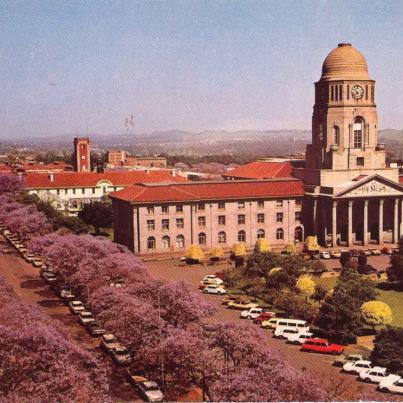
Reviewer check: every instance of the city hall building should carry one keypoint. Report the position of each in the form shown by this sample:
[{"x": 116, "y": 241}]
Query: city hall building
[{"x": 345, "y": 194}]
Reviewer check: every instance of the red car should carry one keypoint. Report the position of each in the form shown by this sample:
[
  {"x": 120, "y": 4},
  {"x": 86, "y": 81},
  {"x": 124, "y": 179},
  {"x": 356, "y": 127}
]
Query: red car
[
  {"x": 264, "y": 316},
  {"x": 316, "y": 345},
  {"x": 221, "y": 275}
]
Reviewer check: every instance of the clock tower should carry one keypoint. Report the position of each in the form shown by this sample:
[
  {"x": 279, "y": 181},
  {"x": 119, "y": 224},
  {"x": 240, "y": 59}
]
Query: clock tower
[{"x": 344, "y": 121}]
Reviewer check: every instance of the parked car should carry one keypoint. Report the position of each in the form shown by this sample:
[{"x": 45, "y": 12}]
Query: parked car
[
  {"x": 357, "y": 366},
  {"x": 386, "y": 250},
  {"x": 271, "y": 323},
  {"x": 46, "y": 270},
  {"x": 50, "y": 278},
  {"x": 209, "y": 277},
  {"x": 298, "y": 338},
  {"x": 375, "y": 252},
  {"x": 339, "y": 362},
  {"x": 37, "y": 262},
  {"x": 367, "y": 269},
  {"x": 377, "y": 375},
  {"x": 76, "y": 306},
  {"x": 121, "y": 355},
  {"x": 229, "y": 298},
  {"x": 392, "y": 386},
  {"x": 85, "y": 317},
  {"x": 29, "y": 257},
  {"x": 109, "y": 341},
  {"x": 205, "y": 283},
  {"x": 241, "y": 305},
  {"x": 317, "y": 345},
  {"x": 283, "y": 332},
  {"x": 149, "y": 390},
  {"x": 64, "y": 292},
  {"x": 251, "y": 313},
  {"x": 214, "y": 289},
  {"x": 263, "y": 317},
  {"x": 324, "y": 255},
  {"x": 366, "y": 252},
  {"x": 222, "y": 275},
  {"x": 94, "y": 328}
]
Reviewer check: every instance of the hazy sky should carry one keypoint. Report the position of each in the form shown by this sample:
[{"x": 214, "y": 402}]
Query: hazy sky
[{"x": 191, "y": 65}]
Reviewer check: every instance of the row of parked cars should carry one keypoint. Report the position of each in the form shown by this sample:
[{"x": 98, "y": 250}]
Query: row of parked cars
[
  {"x": 109, "y": 342},
  {"x": 296, "y": 331}
]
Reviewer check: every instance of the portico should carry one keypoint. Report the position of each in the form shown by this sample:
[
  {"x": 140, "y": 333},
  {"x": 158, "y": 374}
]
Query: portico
[{"x": 368, "y": 212}]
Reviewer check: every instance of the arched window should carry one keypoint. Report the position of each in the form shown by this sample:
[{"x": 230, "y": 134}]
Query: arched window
[
  {"x": 166, "y": 242},
  {"x": 337, "y": 135},
  {"x": 260, "y": 233},
  {"x": 222, "y": 237},
  {"x": 299, "y": 234},
  {"x": 279, "y": 233},
  {"x": 358, "y": 132},
  {"x": 180, "y": 241},
  {"x": 151, "y": 242},
  {"x": 202, "y": 238},
  {"x": 241, "y": 236}
]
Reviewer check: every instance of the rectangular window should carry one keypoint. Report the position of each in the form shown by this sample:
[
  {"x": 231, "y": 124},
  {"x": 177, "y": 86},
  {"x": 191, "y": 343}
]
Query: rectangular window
[
  {"x": 221, "y": 206},
  {"x": 279, "y": 203},
  {"x": 372, "y": 93},
  {"x": 366, "y": 92},
  {"x": 58, "y": 191},
  {"x": 332, "y": 93},
  {"x": 341, "y": 92},
  {"x": 348, "y": 92},
  {"x": 165, "y": 224},
  {"x": 83, "y": 190},
  {"x": 93, "y": 191},
  {"x": 221, "y": 220},
  {"x": 74, "y": 191},
  {"x": 337, "y": 92},
  {"x": 150, "y": 209},
  {"x": 165, "y": 209},
  {"x": 297, "y": 216},
  {"x": 260, "y": 203},
  {"x": 201, "y": 221},
  {"x": 179, "y": 223},
  {"x": 241, "y": 219},
  {"x": 201, "y": 206},
  {"x": 298, "y": 202},
  {"x": 150, "y": 225},
  {"x": 260, "y": 218},
  {"x": 66, "y": 191},
  {"x": 179, "y": 208},
  {"x": 360, "y": 161},
  {"x": 241, "y": 204},
  {"x": 279, "y": 217}
]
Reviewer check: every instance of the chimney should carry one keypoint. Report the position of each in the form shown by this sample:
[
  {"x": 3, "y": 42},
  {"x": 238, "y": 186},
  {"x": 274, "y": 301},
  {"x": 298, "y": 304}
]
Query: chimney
[{"x": 51, "y": 177}]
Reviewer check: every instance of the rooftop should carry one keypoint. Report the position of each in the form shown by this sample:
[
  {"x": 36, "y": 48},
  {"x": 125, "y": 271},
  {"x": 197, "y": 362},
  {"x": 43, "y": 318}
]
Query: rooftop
[
  {"x": 204, "y": 191},
  {"x": 261, "y": 170}
]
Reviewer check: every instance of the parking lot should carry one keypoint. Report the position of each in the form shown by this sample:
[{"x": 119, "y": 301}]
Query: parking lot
[{"x": 344, "y": 386}]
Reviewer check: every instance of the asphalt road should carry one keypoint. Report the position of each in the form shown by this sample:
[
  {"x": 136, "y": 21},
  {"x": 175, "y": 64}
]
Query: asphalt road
[
  {"x": 31, "y": 288},
  {"x": 345, "y": 386}
]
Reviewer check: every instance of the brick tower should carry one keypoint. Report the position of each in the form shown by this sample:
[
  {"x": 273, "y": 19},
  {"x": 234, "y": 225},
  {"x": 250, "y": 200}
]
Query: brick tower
[{"x": 82, "y": 161}]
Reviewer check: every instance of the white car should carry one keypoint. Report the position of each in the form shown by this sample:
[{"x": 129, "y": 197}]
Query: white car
[
  {"x": 85, "y": 317},
  {"x": 121, "y": 355},
  {"x": 392, "y": 385},
  {"x": 335, "y": 254},
  {"x": 298, "y": 338},
  {"x": 76, "y": 306},
  {"x": 357, "y": 367},
  {"x": 209, "y": 277},
  {"x": 375, "y": 252},
  {"x": 214, "y": 289},
  {"x": 283, "y": 332},
  {"x": 324, "y": 255},
  {"x": 377, "y": 375},
  {"x": 251, "y": 313}
]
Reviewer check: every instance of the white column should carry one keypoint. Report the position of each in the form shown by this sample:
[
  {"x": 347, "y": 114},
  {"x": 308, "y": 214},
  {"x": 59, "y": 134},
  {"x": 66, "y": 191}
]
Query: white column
[
  {"x": 315, "y": 216},
  {"x": 365, "y": 238},
  {"x": 350, "y": 223},
  {"x": 396, "y": 222},
  {"x": 380, "y": 236},
  {"x": 334, "y": 223}
]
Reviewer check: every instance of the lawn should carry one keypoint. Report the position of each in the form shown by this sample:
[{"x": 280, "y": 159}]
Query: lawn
[{"x": 393, "y": 298}]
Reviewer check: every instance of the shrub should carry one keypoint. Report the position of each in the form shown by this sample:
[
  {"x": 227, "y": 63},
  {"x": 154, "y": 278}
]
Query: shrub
[
  {"x": 262, "y": 246},
  {"x": 376, "y": 313}
]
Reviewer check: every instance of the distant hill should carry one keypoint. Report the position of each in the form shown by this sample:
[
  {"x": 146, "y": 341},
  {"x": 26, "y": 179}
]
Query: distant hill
[{"x": 242, "y": 142}]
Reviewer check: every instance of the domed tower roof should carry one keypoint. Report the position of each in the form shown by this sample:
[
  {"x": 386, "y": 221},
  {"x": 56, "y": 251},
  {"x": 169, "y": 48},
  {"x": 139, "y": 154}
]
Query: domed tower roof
[{"x": 345, "y": 63}]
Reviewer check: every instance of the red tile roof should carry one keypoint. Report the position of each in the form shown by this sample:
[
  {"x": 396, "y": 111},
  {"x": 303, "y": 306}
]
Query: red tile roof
[
  {"x": 224, "y": 190},
  {"x": 261, "y": 170},
  {"x": 90, "y": 179}
]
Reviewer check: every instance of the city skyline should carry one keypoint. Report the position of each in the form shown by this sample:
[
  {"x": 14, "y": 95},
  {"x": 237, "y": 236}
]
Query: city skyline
[{"x": 73, "y": 68}]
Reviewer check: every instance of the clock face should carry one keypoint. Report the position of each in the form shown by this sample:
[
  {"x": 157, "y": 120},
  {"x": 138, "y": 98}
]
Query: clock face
[{"x": 357, "y": 92}]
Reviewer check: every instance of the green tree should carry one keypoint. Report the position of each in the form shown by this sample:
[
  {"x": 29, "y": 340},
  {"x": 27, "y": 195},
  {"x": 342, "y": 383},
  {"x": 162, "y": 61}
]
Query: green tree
[
  {"x": 340, "y": 315},
  {"x": 319, "y": 294},
  {"x": 388, "y": 349},
  {"x": 395, "y": 271},
  {"x": 97, "y": 214}
]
